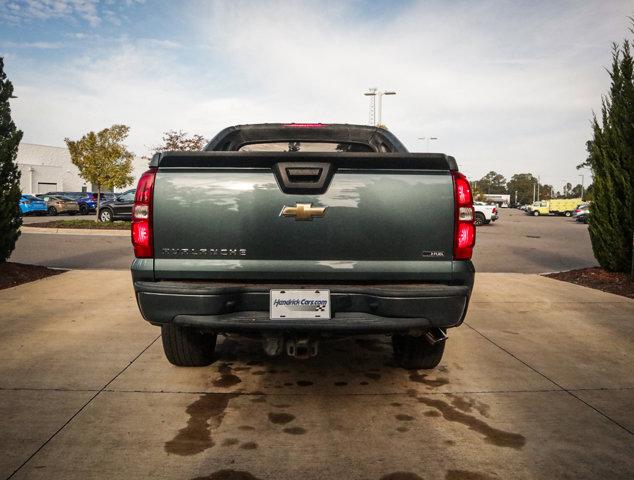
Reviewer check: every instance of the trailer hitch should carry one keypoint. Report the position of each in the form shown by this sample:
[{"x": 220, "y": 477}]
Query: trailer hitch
[{"x": 302, "y": 348}]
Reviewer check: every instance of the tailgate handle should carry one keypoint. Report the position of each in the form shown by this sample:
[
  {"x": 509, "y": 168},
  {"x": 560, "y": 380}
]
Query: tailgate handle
[{"x": 303, "y": 177}]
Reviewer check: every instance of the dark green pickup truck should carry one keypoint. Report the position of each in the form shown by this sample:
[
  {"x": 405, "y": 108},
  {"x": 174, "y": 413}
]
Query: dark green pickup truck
[{"x": 300, "y": 232}]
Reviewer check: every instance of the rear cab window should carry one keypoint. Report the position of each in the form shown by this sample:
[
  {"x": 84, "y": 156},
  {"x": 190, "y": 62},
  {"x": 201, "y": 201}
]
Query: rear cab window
[{"x": 299, "y": 146}]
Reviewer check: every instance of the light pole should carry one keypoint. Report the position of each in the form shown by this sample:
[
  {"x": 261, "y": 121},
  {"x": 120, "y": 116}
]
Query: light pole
[
  {"x": 429, "y": 139},
  {"x": 582, "y": 182},
  {"x": 377, "y": 103}
]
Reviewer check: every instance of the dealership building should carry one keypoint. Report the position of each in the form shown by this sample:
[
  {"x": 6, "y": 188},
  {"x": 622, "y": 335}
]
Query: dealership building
[{"x": 49, "y": 169}]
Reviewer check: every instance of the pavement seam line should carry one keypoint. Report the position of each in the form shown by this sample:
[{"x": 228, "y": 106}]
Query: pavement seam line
[
  {"x": 569, "y": 392},
  {"x": 81, "y": 409}
]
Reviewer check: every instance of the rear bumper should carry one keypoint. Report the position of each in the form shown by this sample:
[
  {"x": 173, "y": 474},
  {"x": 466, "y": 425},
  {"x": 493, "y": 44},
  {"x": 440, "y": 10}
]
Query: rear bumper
[{"x": 356, "y": 308}]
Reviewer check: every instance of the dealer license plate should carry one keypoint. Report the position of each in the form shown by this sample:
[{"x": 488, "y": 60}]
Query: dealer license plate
[{"x": 299, "y": 304}]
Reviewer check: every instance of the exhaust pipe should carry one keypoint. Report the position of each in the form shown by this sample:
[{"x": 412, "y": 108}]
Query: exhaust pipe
[{"x": 435, "y": 335}]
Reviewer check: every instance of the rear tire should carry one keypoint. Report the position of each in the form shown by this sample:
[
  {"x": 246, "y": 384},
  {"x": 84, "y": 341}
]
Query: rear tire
[
  {"x": 83, "y": 209},
  {"x": 187, "y": 347},
  {"x": 568, "y": 214},
  {"x": 415, "y": 352},
  {"x": 479, "y": 218},
  {"x": 52, "y": 211}
]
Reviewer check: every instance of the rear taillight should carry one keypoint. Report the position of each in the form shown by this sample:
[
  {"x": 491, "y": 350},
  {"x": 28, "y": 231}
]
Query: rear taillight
[
  {"x": 495, "y": 210},
  {"x": 142, "y": 216},
  {"x": 464, "y": 229}
]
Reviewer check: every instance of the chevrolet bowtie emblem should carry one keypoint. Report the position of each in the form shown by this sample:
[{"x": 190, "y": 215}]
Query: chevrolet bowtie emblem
[{"x": 303, "y": 211}]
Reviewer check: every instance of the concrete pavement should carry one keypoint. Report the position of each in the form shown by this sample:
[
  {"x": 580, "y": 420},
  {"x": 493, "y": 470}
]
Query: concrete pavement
[{"x": 537, "y": 384}]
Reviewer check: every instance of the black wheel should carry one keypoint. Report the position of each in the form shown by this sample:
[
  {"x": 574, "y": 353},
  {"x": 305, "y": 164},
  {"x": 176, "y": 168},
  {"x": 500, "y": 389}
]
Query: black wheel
[
  {"x": 416, "y": 352},
  {"x": 105, "y": 215},
  {"x": 568, "y": 214},
  {"x": 187, "y": 347},
  {"x": 83, "y": 209},
  {"x": 479, "y": 218},
  {"x": 52, "y": 211},
  {"x": 535, "y": 213}
]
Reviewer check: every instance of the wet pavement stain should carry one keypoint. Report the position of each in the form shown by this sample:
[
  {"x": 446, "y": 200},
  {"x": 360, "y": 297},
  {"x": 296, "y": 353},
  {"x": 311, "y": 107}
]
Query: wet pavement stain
[
  {"x": 227, "y": 378},
  {"x": 249, "y": 446},
  {"x": 373, "y": 376},
  {"x": 288, "y": 384},
  {"x": 470, "y": 404},
  {"x": 466, "y": 475},
  {"x": 430, "y": 382},
  {"x": 295, "y": 430},
  {"x": 396, "y": 404},
  {"x": 401, "y": 476},
  {"x": 246, "y": 428},
  {"x": 404, "y": 418},
  {"x": 259, "y": 400},
  {"x": 304, "y": 383},
  {"x": 341, "y": 384},
  {"x": 280, "y": 418},
  {"x": 491, "y": 435},
  {"x": 258, "y": 372},
  {"x": 228, "y": 442},
  {"x": 228, "y": 475},
  {"x": 402, "y": 429},
  {"x": 432, "y": 413},
  {"x": 205, "y": 415},
  {"x": 363, "y": 383}
]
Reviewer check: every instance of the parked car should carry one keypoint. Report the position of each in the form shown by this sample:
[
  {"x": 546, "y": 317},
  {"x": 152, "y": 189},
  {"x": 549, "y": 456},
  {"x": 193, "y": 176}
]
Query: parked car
[
  {"x": 583, "y": 208},
  {"x": 31, "y": 205},
  {"x": 57, "y": 204},
  {"x": 583, "y": 217},
  {"x": 118, "y": 208},
  {"x": 88, "y": 203},
  {"x": 297, "y": 240},
  {"x": 485, "y": 213}
]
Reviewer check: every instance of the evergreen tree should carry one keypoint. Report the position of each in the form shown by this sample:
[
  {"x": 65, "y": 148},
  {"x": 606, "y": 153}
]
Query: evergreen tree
[
  {"x": 10, "y": 136},
  {"x": 611, "y": 157}
]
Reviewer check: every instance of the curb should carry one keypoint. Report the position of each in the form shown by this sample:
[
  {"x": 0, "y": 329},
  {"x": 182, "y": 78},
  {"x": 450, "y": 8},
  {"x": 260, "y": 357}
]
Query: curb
[{"x": 76, "y": 231}]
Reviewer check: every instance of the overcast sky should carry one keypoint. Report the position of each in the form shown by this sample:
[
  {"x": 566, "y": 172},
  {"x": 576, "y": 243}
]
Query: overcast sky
[{"x": 505, "y": 86}]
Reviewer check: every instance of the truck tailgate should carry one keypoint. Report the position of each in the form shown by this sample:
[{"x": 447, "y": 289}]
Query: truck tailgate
[{"x": 385, "y": 216}]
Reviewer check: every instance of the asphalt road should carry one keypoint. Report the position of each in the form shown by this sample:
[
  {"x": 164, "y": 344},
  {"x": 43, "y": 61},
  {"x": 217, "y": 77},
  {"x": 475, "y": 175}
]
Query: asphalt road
[{"x": 515, "y": 243}]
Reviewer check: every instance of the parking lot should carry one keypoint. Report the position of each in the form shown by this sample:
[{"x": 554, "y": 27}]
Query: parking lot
[
  {"x": 515, "y": 243},
  {"x": 536, "y": 384}
]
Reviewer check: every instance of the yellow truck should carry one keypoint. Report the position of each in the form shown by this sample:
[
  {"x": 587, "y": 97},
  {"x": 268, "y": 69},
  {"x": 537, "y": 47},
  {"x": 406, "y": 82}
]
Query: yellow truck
[{"x": 558, "y": 206}]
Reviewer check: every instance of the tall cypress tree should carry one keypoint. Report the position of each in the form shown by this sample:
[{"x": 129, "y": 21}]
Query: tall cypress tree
[
  {"x": 611, "y": 157},
  {"x": 10, "y": 136}
]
